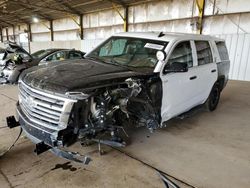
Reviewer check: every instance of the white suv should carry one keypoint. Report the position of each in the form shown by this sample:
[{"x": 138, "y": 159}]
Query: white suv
[{"x": 143, "y": 79}]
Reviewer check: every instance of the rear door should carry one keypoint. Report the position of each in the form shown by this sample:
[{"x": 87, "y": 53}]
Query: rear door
[{"x": 207, "y": 69}]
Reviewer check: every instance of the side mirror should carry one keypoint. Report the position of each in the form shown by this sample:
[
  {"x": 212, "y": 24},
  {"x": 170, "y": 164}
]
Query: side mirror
[{"x": 176, "y": 67}]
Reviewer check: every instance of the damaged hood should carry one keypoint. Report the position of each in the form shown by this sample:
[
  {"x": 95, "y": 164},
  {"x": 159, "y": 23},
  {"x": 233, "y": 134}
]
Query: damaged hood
[
  {"x": 13, "y": 47},
  {"x": 77, "y": 75}
]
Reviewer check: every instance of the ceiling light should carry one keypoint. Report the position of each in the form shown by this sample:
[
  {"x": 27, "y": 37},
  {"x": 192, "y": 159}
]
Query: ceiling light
[{"x": 35, "y": 20}]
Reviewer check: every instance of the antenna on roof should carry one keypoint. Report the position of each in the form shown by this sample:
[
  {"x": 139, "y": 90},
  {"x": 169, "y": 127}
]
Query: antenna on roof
[{"x": 161, "y": 34}]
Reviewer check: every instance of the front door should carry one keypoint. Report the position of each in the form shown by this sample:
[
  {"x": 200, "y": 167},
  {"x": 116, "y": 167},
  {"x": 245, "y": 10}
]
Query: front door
[{"x": 180, "y": 89}]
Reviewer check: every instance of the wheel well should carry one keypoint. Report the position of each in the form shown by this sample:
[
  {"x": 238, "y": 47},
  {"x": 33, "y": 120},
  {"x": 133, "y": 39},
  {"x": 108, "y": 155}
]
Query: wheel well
[{"x": 221, "y": 82}]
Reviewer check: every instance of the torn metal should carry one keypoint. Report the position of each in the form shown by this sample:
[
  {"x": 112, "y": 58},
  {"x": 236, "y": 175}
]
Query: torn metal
[{"x": 73, "y": 156}]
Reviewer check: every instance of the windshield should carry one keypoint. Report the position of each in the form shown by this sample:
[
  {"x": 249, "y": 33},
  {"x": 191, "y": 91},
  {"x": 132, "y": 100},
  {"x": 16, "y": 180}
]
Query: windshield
[
  {"x": 130, "y": 52},
  {"x": 40, "y": 53}
]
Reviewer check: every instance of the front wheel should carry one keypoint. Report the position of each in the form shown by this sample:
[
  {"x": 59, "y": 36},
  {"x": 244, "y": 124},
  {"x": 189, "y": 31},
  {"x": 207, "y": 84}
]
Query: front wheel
[{"x": 213, "y": 99}]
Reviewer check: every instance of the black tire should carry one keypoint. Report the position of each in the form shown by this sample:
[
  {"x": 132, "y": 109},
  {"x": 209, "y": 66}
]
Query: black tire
[{"x": 214, "y": 98}]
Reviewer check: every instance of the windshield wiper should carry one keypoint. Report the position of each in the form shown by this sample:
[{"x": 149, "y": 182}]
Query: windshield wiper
[
  {"x": 111, "y": 62},
  {"x": 143, "y": 67},
  {"x": 96, "y": 59}
]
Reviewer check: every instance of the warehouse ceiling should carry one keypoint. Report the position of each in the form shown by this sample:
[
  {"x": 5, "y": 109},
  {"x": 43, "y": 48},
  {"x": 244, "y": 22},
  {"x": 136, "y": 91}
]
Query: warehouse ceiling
[{"x": 14, "y": 12}]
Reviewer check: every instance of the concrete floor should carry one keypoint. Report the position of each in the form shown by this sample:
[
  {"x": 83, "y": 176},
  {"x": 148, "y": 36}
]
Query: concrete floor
[{"x": 205, "y": 150}]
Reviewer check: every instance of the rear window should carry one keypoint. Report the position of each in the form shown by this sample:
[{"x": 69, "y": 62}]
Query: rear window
[
  {"x": 204, "y": 52},
  {"x": 75, "y": 55},
  {"x": 222, "y": 50}
]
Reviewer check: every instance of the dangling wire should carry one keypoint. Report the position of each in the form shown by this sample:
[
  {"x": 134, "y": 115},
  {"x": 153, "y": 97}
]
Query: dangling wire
[{"x": 2, "y": 154}]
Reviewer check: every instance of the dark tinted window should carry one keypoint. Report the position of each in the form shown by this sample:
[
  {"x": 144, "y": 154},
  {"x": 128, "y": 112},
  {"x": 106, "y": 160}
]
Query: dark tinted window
[
  {"x": 75, "y": 55},
  {"x": 57, "y": 56},
  {"x": 204, "y": 53},
  {"x": 222, "y": 50},
  {"x": 182, "y": 54}
]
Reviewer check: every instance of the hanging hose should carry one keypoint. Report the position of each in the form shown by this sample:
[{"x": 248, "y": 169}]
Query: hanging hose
[{"x": 2, "y": 154}]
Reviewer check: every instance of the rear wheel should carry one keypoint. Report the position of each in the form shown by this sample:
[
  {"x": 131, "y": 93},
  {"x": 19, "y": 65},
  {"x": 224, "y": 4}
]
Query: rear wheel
[{"x": 213, "y": 99}]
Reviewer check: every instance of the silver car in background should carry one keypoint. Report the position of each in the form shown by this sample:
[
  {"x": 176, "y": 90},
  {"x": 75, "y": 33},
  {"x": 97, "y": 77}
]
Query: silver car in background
[{"x": 14, "y": 59}]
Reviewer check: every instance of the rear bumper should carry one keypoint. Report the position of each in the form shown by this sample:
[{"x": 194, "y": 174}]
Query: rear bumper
[{"x": 35, "y": 132}]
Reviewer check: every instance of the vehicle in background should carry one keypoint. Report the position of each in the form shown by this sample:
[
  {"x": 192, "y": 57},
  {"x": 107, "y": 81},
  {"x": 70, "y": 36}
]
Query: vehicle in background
[
  {"x": 51, "y": 55},
  {"x": 14, "y": 59},
  {"x": 141, "y": 79}
]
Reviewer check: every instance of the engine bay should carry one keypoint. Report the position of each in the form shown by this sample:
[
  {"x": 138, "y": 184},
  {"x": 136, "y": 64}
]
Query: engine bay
[{"x": 103, "y": 116}]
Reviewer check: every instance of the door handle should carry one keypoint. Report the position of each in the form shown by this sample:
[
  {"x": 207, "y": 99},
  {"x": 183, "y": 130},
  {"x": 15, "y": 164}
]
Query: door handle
[
  {"x": 193, "y": 77},
  {"x": 214, "y": 70}
]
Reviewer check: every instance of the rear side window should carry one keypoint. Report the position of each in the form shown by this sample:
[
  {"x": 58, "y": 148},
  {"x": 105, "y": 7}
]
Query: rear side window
[
  {"x": 222, "y": 50},
  {"x": 75, "y": 55},
  {"x": 58, "y": 56},
  {"x": 204, "y": 53}
]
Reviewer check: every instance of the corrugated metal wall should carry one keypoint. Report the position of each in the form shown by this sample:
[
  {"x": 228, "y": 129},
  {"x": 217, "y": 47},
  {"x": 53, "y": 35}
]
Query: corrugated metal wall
[
  {"x": 229, "y": 19},
  {"x": 239, "y": 52}
]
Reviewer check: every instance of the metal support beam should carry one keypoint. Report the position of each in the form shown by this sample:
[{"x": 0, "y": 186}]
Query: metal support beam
[
  {"x": 1, "y": 34},
  {"x": 51, "y": 30},
  {"x": 73, "y": 18},
  {"x": 7, "y": 33},
  {"x": 80, "y": 23},
  {"x": 29, "y": 33},
  {"x": 29, "y": 36},
  {"x": 37, "y": 6},
  {"x": 214, "y": 6},
  {"x": 68, "y": 7},
  {"x": 201, "y": 7},
  {"x": 81, "y": 27},
  {"x": 14, "y": 35},
  {"x": 124, "y": 17},
  {"x": 32, "y": 8},
  {"x": 5, "y": 22}
]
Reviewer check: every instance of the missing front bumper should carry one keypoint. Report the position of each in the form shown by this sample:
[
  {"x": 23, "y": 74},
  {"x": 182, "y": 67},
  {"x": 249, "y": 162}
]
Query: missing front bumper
[
  {"x": 39, "y": 137},
  {"x": 72, "y": 156}
]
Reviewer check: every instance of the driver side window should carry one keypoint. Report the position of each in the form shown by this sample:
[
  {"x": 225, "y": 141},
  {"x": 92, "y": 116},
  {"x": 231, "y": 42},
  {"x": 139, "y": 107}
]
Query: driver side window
[
  {"x": 182, "y": 54},
  {"x": 58, "y": 56}
]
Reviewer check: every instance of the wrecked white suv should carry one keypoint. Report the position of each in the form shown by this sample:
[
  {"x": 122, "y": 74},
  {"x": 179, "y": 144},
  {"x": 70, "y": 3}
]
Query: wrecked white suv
[{"x": 143, "y": 79}]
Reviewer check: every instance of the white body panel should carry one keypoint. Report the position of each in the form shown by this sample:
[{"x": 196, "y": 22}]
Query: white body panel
[
  {"x": 185, "y": 90},
  {"x": 180, "y": 92}
]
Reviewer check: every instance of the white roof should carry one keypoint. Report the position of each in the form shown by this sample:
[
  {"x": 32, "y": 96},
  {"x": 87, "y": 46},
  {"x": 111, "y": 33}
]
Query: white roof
[{"x": 167, "y": 36}]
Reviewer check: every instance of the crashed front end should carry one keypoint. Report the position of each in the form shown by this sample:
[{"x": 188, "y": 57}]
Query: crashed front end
[
  {"x": 53, "y": 121},
  {"x": 43, "y": 115}
]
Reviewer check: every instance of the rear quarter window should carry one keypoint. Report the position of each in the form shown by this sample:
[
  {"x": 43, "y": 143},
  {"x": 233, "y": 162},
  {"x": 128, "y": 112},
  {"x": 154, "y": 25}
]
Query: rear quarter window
[{"x": 222, "y": 49}]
